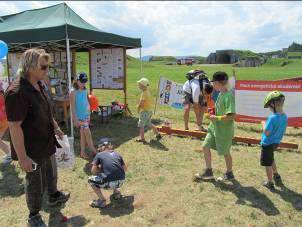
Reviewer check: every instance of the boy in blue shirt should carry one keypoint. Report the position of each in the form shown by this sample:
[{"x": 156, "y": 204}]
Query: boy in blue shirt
[{"x": 273, "y": 131}]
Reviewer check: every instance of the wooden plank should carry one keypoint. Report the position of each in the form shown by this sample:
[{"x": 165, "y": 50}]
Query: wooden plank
[{"x": 199, "y": 134}]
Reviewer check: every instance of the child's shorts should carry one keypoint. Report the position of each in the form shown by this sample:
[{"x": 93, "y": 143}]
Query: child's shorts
[
  {"x": 84, "y": 123},
  {"x": 222, "y": 146},
  {"x": 98, "y": 181},
  {"x": 144, "y": 119},
  {"x": 187, "y": 98},
  {"x": 267, "y": 154}
]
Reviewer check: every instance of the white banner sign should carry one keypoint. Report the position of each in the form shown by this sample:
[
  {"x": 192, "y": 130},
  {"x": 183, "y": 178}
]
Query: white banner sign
[
  {"x": 250, "y": 96},
  {"x": 107, "y": 68},
  {"x": 170, "y": 93}
]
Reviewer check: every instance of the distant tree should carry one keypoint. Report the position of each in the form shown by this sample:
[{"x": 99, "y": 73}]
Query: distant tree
[{"x": 295, "y": 47}]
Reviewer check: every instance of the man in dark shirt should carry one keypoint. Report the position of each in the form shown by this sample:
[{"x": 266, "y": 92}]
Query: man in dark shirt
[
  {"x": 33, "y": 133},
  {"x": 109, "y": 169}
]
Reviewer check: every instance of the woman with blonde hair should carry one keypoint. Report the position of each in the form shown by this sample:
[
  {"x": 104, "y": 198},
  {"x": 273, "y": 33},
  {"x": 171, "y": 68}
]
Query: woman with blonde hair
[{"x": 32, "y": 131}]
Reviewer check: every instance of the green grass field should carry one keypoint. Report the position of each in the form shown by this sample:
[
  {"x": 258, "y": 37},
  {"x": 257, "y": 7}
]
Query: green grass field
[{"x": 159, "y": 190}]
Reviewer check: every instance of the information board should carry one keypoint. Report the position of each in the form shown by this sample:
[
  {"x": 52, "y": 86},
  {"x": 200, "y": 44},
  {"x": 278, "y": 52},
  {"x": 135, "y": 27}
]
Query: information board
[
  {"x": 107, "y": 68},
  {"x": 250, "y": 95}
]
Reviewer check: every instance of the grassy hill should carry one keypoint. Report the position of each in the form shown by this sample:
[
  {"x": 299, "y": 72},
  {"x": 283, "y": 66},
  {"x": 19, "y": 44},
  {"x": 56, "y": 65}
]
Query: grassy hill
[
  {"x": 294, "y": 54},
  {"x": 247, "y": 53}
]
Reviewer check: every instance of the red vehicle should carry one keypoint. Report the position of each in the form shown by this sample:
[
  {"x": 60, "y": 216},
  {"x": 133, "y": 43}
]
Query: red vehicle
[{"x": 186, "y": 61}]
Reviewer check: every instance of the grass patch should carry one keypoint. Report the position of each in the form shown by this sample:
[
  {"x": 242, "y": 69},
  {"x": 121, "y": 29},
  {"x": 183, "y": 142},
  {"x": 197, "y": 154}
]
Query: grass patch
[{"x": 159, "y": 189}]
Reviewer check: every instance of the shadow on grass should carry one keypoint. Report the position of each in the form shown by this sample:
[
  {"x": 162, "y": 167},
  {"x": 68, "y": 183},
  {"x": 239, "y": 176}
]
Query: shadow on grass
[
  {"x": 157, "y": 145},
  {"x": 118, "y": 129},
  {"x": 249, "y": 196},
  {"x": 56, "y": 216},
  {"x": 87, "y": 168},
  {"x": 291, "y": 196},
  {"x": 119, "y": 208},
  {"x": 10, "y": 183}
]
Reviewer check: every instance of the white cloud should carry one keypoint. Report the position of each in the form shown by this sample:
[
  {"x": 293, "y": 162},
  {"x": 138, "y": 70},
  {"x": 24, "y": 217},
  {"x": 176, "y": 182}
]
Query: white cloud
[
  {"x": 8, "y": 8},
  {"x": 181, "y": 28}
]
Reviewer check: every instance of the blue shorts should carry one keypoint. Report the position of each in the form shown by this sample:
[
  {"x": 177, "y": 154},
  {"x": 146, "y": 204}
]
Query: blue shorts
[{"x": 84, "y": 123}]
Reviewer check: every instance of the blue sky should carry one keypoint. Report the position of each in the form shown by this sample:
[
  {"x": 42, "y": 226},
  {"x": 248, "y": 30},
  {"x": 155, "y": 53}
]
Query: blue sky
[{"x": 189, "y": 28}]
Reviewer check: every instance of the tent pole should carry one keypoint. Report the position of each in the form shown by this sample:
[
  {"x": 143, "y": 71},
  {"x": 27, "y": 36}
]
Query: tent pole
[
  {"x": 140, "y": 59},
  {"x": 69, "y": 83}
]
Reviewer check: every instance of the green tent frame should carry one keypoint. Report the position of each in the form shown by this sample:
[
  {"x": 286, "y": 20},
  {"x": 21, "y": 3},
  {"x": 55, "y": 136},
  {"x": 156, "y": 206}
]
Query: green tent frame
[{"x": 58, "y": 28}]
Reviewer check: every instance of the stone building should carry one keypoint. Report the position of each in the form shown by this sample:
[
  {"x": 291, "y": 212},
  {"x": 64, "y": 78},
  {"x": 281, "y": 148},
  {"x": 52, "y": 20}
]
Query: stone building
[
  {"x": 234, "y": 57},
  {"x": 223, "y": 57}
]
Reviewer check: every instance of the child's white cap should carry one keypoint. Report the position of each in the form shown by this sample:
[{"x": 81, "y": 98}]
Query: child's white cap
[{"x": 144, "y": 81}]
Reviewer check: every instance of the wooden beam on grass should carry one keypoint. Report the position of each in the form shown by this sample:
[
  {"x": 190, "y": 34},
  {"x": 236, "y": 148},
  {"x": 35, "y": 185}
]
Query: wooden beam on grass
[{"x": 199, "y": 134}]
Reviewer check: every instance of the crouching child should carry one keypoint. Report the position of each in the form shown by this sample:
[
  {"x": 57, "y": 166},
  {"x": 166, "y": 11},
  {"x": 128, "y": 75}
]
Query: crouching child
[
  {"x": 108, "y": 169},
  {"x": 273, "y": 130}
]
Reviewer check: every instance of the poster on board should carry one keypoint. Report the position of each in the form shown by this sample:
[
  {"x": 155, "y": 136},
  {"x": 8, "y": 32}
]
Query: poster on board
[
  {"x": 170, "y": 93},
  {"x": 107, "y": 68},
  {"x": 249, "y": 96},
  {"x": 14, "y": 60}
]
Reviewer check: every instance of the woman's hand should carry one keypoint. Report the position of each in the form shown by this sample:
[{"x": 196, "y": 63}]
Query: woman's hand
[
  {"x": 26, "y": 164},
  {"x": 59, "y": 133}
]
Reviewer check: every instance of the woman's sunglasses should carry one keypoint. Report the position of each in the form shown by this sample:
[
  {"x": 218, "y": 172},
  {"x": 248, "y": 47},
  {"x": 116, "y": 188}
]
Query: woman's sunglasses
[{"x": 44, "y": 67}]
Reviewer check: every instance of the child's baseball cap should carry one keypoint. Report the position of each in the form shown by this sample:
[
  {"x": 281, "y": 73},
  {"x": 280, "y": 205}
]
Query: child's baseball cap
[
  {"x": 144, "y": 81},
  {"x": 82, "y": 77},
  {"x": 220, "y": 76},
  {"x": 104, "y": 142}
]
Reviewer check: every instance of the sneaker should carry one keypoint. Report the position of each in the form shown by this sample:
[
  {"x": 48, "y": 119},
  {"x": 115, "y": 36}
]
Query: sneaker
[
  {"x": 7, "y": 159},
  {"x": 269, "y": 185},
  {"x": 227, "y": 176},
  {"x": 278, "y": 180},
  {"x": 159, "y": 137},
  {"x": 98, "y": 203},
  {"x": 116, "y": 196},
  {"x": 36, "y": 221},
  {"x": 201, "y": 128},
  {"x": 61, "y": 198},
  {"x": 207, "y": 175}
]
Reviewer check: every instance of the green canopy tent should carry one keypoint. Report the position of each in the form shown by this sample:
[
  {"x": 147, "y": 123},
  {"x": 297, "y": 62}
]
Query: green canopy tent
[{"x": 57, "y": 28}]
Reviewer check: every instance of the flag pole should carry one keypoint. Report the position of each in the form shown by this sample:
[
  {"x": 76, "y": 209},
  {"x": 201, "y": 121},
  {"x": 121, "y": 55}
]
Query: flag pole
[{"x": 157, "y": 94}]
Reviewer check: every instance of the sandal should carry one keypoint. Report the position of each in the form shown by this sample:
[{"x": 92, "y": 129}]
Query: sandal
[{"x": 98, "y": 203}]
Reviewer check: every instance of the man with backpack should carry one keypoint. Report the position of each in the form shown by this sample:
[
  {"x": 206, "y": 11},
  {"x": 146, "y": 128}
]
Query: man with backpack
[{"x": 195, "y": 89}]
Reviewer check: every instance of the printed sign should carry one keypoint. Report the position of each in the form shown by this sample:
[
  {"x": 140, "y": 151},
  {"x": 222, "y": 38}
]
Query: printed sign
[
  {"x": 107, "y": 68},
  {"x": 170, "y": 93},
  {"x": 250, "y": 96},
  {"x": 14, "y": 60}
]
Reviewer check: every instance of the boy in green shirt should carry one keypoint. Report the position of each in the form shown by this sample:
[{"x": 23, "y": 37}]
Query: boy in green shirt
[{"x": 221, "y": 130}]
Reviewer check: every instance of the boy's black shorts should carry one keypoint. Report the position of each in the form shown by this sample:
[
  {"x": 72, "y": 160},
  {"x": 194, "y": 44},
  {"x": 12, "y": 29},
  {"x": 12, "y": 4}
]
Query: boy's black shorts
[
  {"x": 188, "y": 99},
  {"x": 267, "y": 154}
]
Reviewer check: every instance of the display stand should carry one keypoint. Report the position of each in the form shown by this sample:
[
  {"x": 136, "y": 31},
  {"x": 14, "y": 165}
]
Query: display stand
[{"x": 105, "y": 72}]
